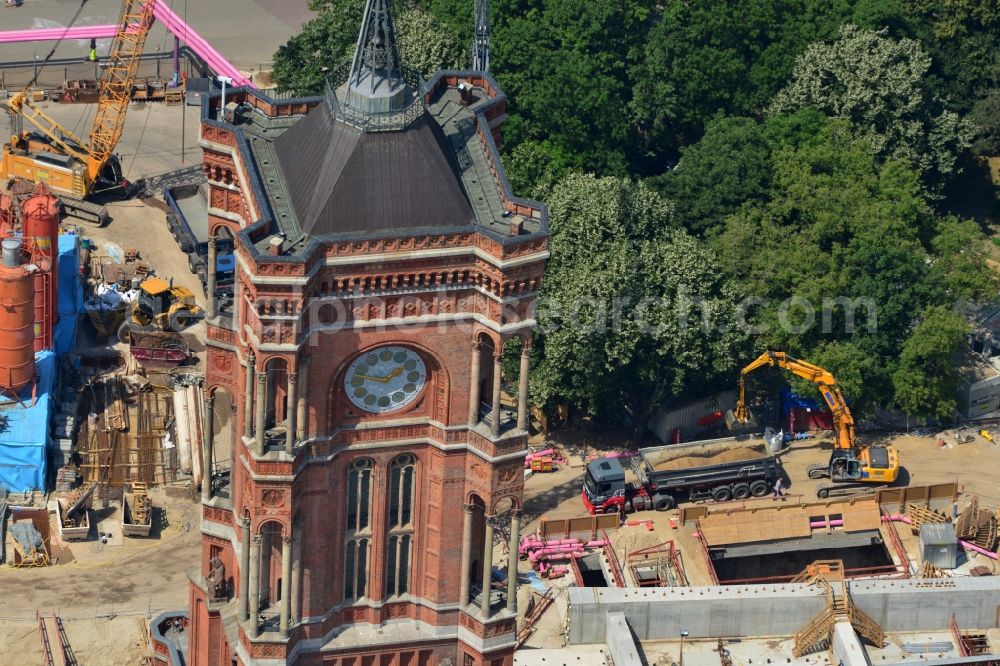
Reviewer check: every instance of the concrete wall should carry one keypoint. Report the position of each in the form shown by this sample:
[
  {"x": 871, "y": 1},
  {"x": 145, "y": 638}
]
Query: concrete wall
[
  {"x": 621, "y": 645},
  {"x": 846, "y": 646},
  {"x": 780, "y": 610}
]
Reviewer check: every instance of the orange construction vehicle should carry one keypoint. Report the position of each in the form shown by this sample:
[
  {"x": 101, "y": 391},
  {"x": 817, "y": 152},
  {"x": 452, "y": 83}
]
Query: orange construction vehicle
[
  {"x": 851, "y": 469},
  {"x": 73, "y": 168}
]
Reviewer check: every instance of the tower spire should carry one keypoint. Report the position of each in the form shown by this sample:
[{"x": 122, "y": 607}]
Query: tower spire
[
  {"x": 375, "y": 70},
  {"x": 481, "y": 41}
]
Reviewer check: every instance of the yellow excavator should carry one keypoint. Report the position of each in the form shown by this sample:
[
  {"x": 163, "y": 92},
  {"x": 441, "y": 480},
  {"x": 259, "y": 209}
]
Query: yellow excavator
[
  {"x": 75, "y": 169},
  {"x": 851, "y": 469}
]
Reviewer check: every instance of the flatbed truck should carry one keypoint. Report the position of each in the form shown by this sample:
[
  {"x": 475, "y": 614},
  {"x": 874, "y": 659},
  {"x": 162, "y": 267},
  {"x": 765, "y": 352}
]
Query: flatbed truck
[{"x": 661, "y": 477}]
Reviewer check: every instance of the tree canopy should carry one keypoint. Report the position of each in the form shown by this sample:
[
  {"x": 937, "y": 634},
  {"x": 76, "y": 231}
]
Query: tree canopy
[{"x": 791, "y": 167}]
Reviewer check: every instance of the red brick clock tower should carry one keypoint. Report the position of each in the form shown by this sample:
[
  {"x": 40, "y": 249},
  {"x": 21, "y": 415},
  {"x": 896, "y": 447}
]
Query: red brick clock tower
[{"x": 355, "y": 379}]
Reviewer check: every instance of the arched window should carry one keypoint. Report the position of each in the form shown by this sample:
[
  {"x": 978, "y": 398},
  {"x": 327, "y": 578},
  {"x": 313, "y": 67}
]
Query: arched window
[
  {"x": 358, "y": 538},
  {"x": 401, "y": 491},
  {"x": 399, "y": 545},
  {"x": 359, "y": 495}
]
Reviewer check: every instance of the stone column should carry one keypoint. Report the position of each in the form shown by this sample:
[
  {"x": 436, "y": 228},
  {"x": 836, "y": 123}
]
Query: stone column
[
  {"x": 477, "y": 355},
  {"x": 207, "y": 446},
  {"x": 497, "y": 370},
  {"x": 484, "y": 602},
  {"x": 296, "y": 596},
  {"x": 261, "y": 412},
  {"x": 210, "y": 282},
  {"x": 255, "y": 586},
  {"x": 512, "y": 558},
  {"x": 248, "y": 409},
  {"x": 522, "y": 389},
  {"x": 286, "y": 585},
  {"x": 244, "y": 569},
  {"x": 293, "y": 406},
  {"x": 466, "y": 555},
  {"x": 300, "y": 408}
]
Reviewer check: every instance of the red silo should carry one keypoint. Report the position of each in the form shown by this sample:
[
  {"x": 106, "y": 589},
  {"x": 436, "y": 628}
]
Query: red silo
[
  {"x": 17, "y": 355},
  {"x": 40, "y": 214}
]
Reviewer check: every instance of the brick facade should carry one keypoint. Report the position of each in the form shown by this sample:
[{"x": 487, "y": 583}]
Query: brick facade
[{"x": 308, "y": 316}]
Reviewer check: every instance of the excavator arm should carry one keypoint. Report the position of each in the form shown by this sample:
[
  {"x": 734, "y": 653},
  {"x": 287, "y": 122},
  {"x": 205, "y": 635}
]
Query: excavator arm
[{"x": 842, "y": 419}]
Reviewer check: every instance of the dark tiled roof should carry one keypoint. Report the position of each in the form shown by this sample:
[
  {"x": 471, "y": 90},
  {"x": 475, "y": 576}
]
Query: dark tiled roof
[{"x": 343, "y": 180}]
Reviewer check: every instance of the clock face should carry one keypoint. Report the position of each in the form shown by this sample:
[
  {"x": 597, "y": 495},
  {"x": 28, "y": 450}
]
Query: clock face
[{"x": 385, "y": 379}]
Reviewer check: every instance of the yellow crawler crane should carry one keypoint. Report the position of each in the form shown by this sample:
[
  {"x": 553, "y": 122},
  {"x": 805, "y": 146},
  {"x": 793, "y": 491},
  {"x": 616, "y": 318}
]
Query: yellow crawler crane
[{"x": 75, "y": 169}]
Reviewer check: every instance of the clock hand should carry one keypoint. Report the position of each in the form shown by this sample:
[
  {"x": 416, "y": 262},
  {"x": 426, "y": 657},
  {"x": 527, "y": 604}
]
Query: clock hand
[
  {"x": 374, "y": 379},
  {"x": 395, "y": 373}
]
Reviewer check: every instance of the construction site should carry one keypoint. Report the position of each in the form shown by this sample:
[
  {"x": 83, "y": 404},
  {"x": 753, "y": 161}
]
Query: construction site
[{"x": 214, "y": 450}]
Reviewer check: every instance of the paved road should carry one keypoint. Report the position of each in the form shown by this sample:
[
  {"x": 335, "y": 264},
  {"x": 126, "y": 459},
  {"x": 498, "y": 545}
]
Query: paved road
[{"x": 246, "y": 31}]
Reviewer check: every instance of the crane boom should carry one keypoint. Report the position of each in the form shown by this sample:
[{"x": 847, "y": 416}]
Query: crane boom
[
  {"x": 843, "y": 421},
  {"x": 58, "y": 135},
  {"x": 116, "y": 85}
]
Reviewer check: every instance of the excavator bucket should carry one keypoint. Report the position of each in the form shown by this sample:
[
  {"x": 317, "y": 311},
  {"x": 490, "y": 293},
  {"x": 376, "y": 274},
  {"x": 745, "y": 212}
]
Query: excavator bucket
[{"x": 734, "y": 423}]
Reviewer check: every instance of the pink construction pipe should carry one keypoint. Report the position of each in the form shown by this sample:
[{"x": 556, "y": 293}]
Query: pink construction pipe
[
  {"x": 164, "y": 15},
  {"x": 976, "y": 549},
  {"x": 824, "y": 523},
  {"x": 198, "y": 44},
  {"x": 53, "y": 34},
  {"x": 539, "y": 454}
]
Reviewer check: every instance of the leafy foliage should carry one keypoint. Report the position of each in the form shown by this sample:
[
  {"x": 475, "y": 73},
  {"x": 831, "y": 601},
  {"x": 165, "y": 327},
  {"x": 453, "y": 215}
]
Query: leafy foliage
[
  {"x": 800, "y": 153},
  {"x": 926, "y": 378},
  {"x": 878, "y": 85},
  {"x": 627, "y": 301}
]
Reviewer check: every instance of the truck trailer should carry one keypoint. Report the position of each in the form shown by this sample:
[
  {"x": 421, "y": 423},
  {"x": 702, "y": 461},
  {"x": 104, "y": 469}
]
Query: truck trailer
[{"x": 661, "y": 477}]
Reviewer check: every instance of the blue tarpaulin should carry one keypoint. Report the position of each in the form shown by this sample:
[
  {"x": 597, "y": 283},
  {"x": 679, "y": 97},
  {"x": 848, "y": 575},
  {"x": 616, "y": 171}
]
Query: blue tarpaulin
[
  {"x": 24, "y": 430},
  {"x": 69, "y": 296},
  {"x": 790, "y": 401}
]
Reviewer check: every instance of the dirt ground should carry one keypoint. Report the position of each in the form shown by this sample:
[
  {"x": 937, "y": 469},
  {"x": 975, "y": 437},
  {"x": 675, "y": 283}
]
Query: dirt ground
[
  {"x": 972, "y": 466},
  {"x": 99, "y": 589}
]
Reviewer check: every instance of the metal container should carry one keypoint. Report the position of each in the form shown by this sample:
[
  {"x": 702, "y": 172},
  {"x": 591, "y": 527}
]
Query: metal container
[
  {"x": 938, "y": 545},
  {"x": 17, "y": 354},
  {"x": 41, "y": 242}
]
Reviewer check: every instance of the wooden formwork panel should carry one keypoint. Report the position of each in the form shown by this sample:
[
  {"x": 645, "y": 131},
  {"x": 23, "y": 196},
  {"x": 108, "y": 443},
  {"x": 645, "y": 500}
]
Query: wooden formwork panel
[{"x": 566, "y": 527}]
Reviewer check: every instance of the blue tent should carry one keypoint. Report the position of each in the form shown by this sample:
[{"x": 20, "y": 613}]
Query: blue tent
[{"x": 24, "y": 430}]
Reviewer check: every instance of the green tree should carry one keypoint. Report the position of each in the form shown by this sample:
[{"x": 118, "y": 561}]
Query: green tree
[
  {"x": 843, "y": 253},
  {"x": 728, "y": 167},
  {"x": 633, "y": 309},
  {"x": 563, "y": 65},
  {"x": 879, "y": 85},
  {"x": 328, "y": 41},
  {"x": 926, "y": 378}
]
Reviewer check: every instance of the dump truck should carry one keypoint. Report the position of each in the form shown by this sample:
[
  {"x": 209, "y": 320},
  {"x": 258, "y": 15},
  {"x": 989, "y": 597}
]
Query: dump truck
[
  {"x": 661, "y": 477},
  {"x": 188, "y": 223}
]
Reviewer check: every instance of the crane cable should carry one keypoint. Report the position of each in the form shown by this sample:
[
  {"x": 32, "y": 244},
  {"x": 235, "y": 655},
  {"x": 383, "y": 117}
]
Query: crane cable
[{"x": 52, "y": 52}]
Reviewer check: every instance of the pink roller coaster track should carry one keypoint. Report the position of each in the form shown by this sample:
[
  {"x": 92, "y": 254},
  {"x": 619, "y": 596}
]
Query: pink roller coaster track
[{"x": 163, "y": 14}]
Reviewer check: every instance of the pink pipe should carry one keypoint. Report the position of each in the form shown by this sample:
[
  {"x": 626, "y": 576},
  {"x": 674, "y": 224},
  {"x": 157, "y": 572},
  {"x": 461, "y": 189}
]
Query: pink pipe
[
  {"x": 976, "y": 549},
  {"x": 198, "y": 44},
  {"x": 539, "y": 454},
  {"x": 824, "y": 523},
  {"x": 560, "y": 569},
  {"x": 600, "y": 543},
  {"x": 164, "y": 15},
  {"x": 53, "y": 34}
]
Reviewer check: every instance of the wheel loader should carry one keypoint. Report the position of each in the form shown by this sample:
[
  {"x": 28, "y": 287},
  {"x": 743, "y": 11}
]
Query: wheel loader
[{"x": 160, "y": 306}]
